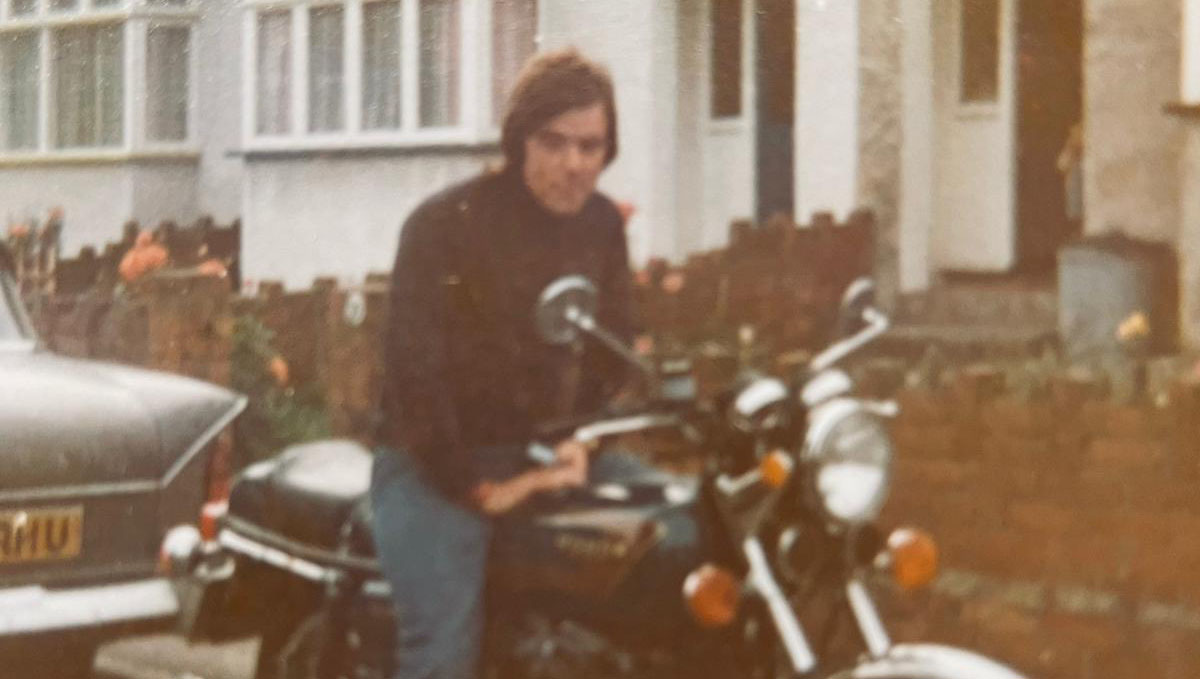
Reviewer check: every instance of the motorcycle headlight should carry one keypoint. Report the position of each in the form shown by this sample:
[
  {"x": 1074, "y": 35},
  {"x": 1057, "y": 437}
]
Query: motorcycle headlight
[{"x": 850, "y": 454}]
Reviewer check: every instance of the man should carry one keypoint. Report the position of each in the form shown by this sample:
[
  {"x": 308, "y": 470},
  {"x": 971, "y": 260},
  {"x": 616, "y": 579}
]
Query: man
[{"x": 467, "y": 378}]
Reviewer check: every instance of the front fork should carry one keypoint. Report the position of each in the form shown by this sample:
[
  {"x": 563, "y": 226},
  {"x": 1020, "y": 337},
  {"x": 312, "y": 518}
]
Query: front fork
[{"x": 761, "y": 580}]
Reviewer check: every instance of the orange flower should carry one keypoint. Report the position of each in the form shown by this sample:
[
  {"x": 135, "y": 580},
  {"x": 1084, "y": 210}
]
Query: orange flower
[
  {"x": 673, "y": 282},
  {"x": 145, "y": 256},
  {"x": 627, "y": 210},
  {"x": 278, "y": 368},
  {"x": 1133, "y": 328},
  {"x": 212, "y": 267},
  {"x": 643, "y": 345}
]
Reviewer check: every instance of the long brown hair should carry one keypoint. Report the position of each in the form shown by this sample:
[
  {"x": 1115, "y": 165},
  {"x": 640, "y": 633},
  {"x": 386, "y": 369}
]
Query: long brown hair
[{"x": 550, "y": 84}]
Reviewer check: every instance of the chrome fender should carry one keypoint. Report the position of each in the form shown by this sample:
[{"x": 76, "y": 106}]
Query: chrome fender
[{"x": 929, "y": 661}]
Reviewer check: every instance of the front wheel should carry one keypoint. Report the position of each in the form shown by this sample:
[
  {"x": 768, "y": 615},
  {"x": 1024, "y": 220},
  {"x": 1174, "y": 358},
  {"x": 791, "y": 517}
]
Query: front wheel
[
  {"x": 303, "y": 655},
  {"x": 929, "y": 661}
]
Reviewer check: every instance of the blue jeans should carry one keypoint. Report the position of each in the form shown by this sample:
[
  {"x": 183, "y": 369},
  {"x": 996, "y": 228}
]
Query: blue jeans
[{"x": 434, "y": 554}]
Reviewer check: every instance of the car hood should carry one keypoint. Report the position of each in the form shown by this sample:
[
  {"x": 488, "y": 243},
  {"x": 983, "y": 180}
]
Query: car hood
[{"x": 67, "y": 421}]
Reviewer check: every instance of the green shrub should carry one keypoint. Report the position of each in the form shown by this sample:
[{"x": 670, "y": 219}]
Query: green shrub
[{"x": 277, "y": 415}]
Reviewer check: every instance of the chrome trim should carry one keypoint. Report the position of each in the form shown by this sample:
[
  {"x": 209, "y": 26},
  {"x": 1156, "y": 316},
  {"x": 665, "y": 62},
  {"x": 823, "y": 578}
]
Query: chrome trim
[
  {"x": 929, "y": 661},
  {"x": 877, "y": 324},
  {"x": 276, "y": 557},
  {"x": 273, "y": 540},
  {"x": 869, "y": 623},
  {"x": 761, "y": 393},
  {"x": 623, "y": 425},
  {"x": 825, "y": 386},
  {"x": 762, "y": 581},
  {"x": 732, "y": 486},
  {"x": 88, "y": 490},
  {"x": 27, "y": 610},
  {"x": 380, "y": 589},
  {"x": 143, "y": 486},
  {"x": 204, "y": 439}
]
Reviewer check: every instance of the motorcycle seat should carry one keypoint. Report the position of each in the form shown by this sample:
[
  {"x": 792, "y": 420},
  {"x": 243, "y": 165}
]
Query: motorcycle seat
[
  {"x": 307, "y": 493},
  {"x": 316, "y": 494}
]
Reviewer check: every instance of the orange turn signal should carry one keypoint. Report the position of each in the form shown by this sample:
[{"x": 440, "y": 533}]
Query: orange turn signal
[
  {"x": 914, "y": 557},
  {"x": 776, "y": 468},
  {"x": 712, "y": 594}
]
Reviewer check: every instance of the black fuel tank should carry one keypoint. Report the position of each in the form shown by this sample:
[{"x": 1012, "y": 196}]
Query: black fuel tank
[{"x": 616, "y": 560}]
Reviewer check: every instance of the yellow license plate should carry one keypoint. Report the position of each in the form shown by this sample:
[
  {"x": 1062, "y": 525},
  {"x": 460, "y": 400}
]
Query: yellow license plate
[{"x": 44, "y": 534}]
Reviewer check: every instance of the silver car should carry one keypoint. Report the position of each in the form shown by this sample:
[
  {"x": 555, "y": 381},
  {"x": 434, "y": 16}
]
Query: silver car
[{"x": 96, "y": 461}]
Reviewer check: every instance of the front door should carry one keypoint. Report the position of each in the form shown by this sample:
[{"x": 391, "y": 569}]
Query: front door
[
  {"x": 1050, "y": 103},
  {"x": 974, "y": 225},
  {"x": 775, "y": 26}
]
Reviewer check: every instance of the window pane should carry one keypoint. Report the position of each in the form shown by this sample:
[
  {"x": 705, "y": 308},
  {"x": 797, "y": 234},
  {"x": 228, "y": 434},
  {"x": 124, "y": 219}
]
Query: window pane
[
  {"x": 62, "y": 5},
  {"x": 325, "y": 68},
  {"x": 18, "y": 90},
  {"x": 514, "y": 40},
  {"x": 381, "y": 65},
  {"x": 106, "y": 3},
  {"x": 726, "y": 68},
  {"x": 89, "y": 86},
  {"x": 980, "y": 50},
  {"x": 274, "y": 72},
  {"x": 167, "y": 49},
  {"x": 22, "y": 7},
  {"x": 163, "y": 3},
  {"x": 110, "y": 66},
  {"x": 439, "y": 62}
]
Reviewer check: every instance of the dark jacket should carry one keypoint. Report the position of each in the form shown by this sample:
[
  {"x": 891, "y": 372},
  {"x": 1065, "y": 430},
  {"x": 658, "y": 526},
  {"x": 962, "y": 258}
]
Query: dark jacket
[{"x": 465, "y": 367}]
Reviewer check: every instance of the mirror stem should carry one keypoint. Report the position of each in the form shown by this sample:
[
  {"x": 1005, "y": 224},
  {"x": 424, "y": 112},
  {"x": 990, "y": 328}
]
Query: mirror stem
[{"x": 588, "y": 325}]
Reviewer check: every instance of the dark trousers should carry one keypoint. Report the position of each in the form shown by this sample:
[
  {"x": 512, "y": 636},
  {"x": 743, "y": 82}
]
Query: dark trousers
[{"x": 434, "y": 554}]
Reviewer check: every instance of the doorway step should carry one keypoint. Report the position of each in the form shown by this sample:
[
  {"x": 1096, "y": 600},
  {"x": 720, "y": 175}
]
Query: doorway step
[{"x": 972, "y": 317}]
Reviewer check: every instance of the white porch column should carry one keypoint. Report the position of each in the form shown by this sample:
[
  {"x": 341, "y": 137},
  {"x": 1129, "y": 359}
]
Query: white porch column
[
  {"x": 1190, "y": 74},
  {"x": 1189, "y": 234},
  {"x": 917, "y": 152},
  {"x": 827, "y": 96}
]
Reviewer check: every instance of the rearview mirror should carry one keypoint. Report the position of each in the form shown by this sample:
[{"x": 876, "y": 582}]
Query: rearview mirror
[
  {"x": 567, "y": 307},
  {"x": 858, "y": 298},
  {"x": 563, "y": 307}
]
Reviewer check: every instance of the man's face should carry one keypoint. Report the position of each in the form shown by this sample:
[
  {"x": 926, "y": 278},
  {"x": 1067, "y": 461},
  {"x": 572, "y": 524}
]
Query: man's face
[{"x": 564, "y": 157}]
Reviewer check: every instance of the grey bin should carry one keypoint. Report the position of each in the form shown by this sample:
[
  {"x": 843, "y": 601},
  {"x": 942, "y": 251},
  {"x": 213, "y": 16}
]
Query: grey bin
[{"x": 1104, "y": 280}]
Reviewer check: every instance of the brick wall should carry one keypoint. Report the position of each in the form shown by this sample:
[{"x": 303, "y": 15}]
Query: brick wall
[
  {"x": 1069, "y": 526},
  {"x": 177, "y": 321},
  {"x": 783, "y": 280},
  {"x": 327, "y": 346}
]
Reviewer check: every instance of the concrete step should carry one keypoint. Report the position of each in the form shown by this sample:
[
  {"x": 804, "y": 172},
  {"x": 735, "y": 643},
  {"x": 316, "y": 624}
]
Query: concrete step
[
  {"x": 981, "y": 304},
  {"x": 959, "y": 342}
]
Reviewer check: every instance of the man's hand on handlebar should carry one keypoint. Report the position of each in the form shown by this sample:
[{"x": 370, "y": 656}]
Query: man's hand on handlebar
[
  {"x": 571, "y": 469},
  {"x": 498, "y": 497}
]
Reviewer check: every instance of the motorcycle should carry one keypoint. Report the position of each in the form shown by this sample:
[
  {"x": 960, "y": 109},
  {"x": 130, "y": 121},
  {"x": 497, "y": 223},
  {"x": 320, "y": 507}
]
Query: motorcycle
[{"x": 640, "y": 573}]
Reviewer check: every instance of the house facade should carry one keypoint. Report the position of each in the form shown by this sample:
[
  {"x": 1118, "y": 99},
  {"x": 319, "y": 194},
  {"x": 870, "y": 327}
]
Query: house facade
[
  {"x": 321, "y": 123},
  {"x": 966, "y": 106}
]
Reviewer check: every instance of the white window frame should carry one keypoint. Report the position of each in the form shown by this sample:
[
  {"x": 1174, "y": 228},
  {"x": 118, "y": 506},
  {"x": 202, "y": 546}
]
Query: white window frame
[
  {"x": 135, "y": 17},
  {"x": 740, "y": 123},
  {"x": 1189, "y": 88},
  {"x": 475, "y": 125},
  {"x": 1006, "y": 27}
]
